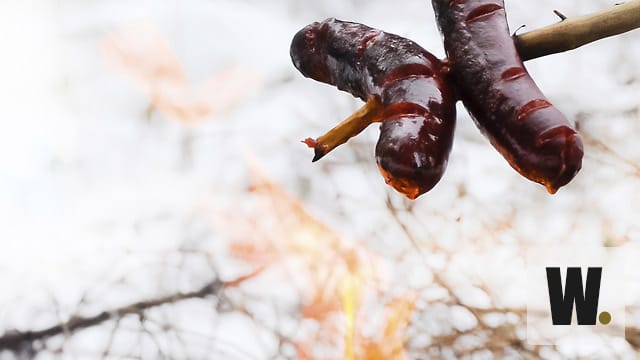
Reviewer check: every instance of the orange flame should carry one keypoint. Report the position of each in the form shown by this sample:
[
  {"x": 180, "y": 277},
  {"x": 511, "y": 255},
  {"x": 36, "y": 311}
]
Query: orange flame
[
  {"x": 339, "y": 278},
  {"x": 397, "y": 317},
  {"x": 350, "y": 291}
]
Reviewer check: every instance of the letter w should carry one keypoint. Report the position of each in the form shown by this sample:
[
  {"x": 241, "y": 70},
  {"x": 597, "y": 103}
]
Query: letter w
[{"x": 586, "y": 299}]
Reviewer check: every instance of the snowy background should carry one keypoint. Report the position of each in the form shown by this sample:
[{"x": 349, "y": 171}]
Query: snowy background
[{"x": 150, "y": 147}]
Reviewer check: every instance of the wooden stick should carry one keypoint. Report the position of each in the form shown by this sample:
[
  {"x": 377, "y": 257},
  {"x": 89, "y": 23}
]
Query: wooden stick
[
  {"x": 572, "y": 33},
  {"x": 353, "y": 125}
]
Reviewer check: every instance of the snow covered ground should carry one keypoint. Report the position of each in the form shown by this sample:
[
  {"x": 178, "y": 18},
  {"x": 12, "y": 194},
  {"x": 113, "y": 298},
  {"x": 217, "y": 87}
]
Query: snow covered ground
[{"x": 106, "y": 199}]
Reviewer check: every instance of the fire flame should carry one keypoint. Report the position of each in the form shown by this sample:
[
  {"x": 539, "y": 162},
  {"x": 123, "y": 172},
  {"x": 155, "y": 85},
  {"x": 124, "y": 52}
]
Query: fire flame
[{"x": 343, "y": 281}]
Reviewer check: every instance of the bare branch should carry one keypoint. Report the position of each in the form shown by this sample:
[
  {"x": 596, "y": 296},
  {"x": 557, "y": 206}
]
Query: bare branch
[
  {"x": 570, "y": 33},
  {"x": 17, "y": 340}
]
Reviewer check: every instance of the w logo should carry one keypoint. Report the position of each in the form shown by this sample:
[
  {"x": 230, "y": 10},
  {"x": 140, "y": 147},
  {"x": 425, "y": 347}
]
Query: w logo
[
  {"x": 584, "y": 297},
  {"x": 568, "y": 290}
]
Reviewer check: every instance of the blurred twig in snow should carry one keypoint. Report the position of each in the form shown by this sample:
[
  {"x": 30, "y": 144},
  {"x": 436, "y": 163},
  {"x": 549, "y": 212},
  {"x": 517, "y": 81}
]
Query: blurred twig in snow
[
  {"x": 144, "y": 56},
  {"x": 19, "y": 340}
]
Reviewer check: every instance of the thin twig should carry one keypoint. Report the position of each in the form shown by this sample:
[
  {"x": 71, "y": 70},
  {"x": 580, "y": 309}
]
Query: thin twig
[
  {"x": 17, "y": 340},
  {"x": 562, "y": 16}
]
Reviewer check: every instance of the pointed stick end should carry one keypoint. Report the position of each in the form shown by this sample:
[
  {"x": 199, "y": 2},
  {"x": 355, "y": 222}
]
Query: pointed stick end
[
  {"x": 319, "y": 148},
  {"x": 310, "y": 142},
  {"x": 319, "y": 153}
]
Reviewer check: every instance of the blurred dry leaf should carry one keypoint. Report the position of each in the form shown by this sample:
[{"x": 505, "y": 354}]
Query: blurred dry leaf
[{"x": 144, "y": 56}]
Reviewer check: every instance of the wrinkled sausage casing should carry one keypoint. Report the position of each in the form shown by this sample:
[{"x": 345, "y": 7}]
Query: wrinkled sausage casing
[
  {"x": 505, "y": 103},
  {"x": 419, "y": 108}
]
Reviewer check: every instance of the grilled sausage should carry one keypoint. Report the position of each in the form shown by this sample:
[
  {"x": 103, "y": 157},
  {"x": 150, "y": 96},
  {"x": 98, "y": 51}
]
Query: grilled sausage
[
  {"x": 418, "y": 119},
  {"x": 504, "y": 102}
]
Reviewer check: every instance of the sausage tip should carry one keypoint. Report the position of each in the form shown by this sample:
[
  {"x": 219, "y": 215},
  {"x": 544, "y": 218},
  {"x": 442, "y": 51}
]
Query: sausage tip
[
  {"x": 551, "y": 189},
  {"x": 563, "y": 149},
  {"x": 403, "y": 155}
]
